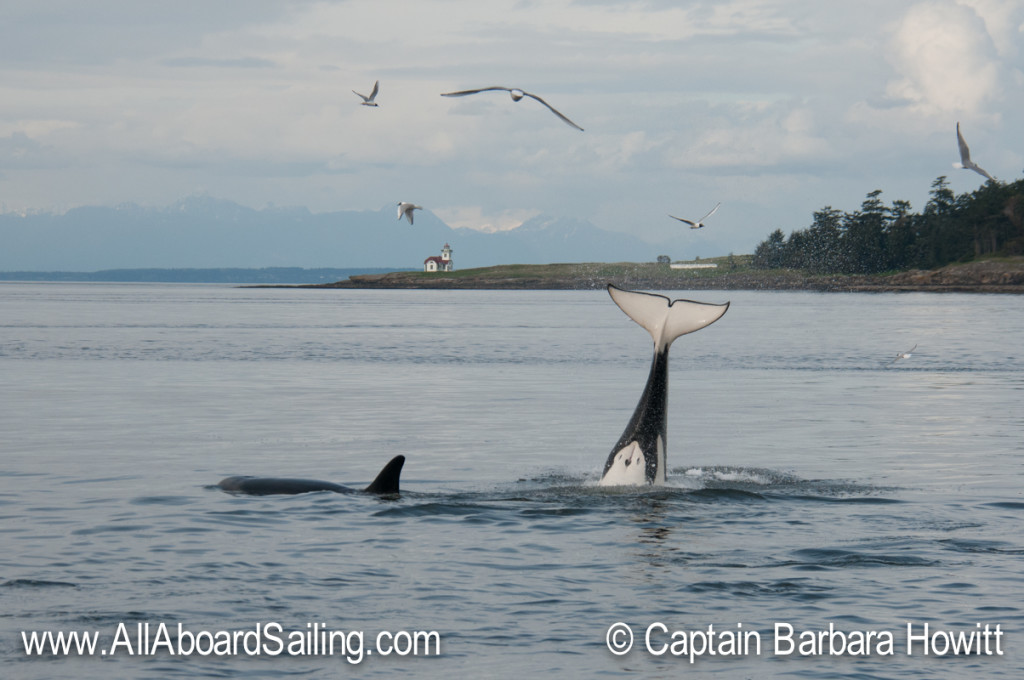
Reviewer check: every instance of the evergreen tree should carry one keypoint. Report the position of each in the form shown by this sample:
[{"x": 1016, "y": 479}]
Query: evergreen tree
[
  {"x": 865, "y": 237},
  {"x": 771, "y": 254},
  {"x": 878, "y": 238}
]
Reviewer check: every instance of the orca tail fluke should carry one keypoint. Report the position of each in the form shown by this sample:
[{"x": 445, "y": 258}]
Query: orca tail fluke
[
  {"x": 663, "y": 318},
  {"x": 387, "y": 479}
]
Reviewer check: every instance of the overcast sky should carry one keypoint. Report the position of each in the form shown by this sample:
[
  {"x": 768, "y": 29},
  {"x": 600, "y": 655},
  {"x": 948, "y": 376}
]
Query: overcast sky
[{"x": 775, "y": 108}]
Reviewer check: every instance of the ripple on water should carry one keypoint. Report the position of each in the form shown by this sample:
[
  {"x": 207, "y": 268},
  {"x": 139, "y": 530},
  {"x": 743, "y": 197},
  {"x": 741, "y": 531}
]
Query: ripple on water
[
  {"x": 838, "y": 558},
  {"x": 36, "y": 583}
]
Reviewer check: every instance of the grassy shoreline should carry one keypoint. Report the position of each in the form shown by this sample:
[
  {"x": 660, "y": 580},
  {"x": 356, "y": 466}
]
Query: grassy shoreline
[{"x": 993, "y": 275}]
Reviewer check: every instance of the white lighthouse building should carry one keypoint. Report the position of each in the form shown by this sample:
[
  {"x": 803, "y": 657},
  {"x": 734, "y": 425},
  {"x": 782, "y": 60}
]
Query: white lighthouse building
[{"x": 440, "y": 264}]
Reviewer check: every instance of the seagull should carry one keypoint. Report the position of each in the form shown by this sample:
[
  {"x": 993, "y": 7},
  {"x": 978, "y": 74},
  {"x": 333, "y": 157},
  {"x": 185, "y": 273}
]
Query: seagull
[
  {"x": 905, "y": 355},
  {"x": 965, "y": 156},
  {"x": 406, "y": 209},
  {"x": 368, "y": 101},
  {"x": 516, "y": 95},
  {"x": 699, "y": 223}
]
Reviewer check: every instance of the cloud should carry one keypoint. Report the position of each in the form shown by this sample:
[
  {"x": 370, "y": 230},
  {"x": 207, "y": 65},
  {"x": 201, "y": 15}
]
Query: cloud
[
  {"x": 1004, "y": 22},
  {"x": 38, "y": 34},
  {"x": 16, "y": 149},
  {"x": 237, "y": 62},
  {"x": 945, "y": 60},
  {"x": 760, "y": 136},
  {"x": 473, "y": 217}
]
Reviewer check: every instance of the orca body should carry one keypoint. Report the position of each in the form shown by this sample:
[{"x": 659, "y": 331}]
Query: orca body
[
  {"x": 638, "y": 458},
  {"x": 385, "y": 483}
]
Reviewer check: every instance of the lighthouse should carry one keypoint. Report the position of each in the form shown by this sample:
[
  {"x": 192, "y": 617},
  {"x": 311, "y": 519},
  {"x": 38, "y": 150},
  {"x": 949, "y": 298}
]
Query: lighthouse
[{"x": 440, "y": 264}]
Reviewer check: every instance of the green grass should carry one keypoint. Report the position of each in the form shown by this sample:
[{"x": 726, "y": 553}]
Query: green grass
[{"x": 726, "y": 265}]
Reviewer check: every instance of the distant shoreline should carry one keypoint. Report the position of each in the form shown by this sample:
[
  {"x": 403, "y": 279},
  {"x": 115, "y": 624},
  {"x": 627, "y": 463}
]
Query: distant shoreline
[
  {"x": 1004, "y": 275},
  {"x": 236, "y": 275},
  {"x": 994, "y": 275}
]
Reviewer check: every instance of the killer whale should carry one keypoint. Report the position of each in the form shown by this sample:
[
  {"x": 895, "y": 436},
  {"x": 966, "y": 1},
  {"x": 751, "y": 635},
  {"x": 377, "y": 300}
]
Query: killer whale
[
  {"x": 385, "y": 483},
  {"x": 638, "y": 457}
]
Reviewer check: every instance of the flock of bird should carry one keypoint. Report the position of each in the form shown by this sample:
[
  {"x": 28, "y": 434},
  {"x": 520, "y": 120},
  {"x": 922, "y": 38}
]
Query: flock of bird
[{"x": 406, "y": 209}]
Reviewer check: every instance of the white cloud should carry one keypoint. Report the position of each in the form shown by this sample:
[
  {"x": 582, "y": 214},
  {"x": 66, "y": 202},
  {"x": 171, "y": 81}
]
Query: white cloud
[
  {"x": 473, "y": 217},
  {"x": 764, "y": 135},
  {"x": 945, "y": 59},
  {"x": 1004, "y": 21}
]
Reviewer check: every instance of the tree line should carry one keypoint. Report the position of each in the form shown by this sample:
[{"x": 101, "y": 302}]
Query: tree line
[{"x": 879, "y": 237}]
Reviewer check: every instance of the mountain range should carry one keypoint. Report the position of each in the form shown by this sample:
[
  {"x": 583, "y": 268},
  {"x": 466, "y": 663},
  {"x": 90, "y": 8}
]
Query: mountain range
[{"x": 206, "y": 232}]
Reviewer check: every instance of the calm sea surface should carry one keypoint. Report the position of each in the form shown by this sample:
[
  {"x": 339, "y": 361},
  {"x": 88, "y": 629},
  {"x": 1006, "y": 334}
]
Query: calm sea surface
[{"x": 813, "y": 482}]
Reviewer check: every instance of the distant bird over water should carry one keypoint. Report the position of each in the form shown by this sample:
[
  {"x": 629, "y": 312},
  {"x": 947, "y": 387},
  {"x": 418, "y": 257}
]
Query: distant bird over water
[
  {"x": 516, "y": 95},
  {"x": 699, "y": 223},
  {"x": 368, "y": 101},
  {"x": 965, "y": 156},
  {"x": 905, "y": 355},
  {"x": 406, "y": 210}
]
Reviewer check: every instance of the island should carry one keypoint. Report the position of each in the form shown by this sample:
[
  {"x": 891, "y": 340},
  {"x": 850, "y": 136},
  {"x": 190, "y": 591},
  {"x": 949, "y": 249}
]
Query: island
[{"x": 990, "y": 275}]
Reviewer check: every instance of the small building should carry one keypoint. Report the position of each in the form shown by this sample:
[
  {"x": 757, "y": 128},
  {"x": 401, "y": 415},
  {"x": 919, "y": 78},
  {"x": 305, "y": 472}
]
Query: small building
[
  {"x": 693, "y": 265},
  {"x": 440, "y": 264}
]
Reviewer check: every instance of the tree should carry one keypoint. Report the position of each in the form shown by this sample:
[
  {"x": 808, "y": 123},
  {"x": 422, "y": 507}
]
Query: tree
[
  {"x": 900, "y": 235},
  {"x": 823, "y": 241},
  {"x": 865, "y": 237},
  {"x": 770, "y": 254},
  {"x": 878, "y": 238}
]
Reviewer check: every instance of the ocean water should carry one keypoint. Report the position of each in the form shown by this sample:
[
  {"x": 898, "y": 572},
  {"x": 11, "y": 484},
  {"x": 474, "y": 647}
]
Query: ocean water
[{"x": 814, "y": 483}]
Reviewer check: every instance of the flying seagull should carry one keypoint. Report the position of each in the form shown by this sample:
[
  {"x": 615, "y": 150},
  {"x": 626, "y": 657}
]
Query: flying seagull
[
  {"x": 905, "y": 355},
  {"x": 516, "y": 95},
  {"x": 368, "y": 101},
  {"x": 406, "y": 209},
  {"x": 699, "y": 223},
  {"x": 965, "y": 156}
]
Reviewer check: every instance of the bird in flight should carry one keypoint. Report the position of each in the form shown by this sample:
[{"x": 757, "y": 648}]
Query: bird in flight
[
  {"x": 368, "y": 101},
  {"x": 406, "y": 210},
  {"x": 965, "y": 156},
  {"x": 516, "y": 95},
  {"x": 699, "y": 223},
  {"x": 905, "y": 355}
]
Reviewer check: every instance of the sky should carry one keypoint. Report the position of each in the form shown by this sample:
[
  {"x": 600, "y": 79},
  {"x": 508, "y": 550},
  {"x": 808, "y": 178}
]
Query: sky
[{"x": 775, "y": 108}]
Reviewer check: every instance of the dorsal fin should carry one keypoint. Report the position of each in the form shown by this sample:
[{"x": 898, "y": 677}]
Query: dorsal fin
[
  {"x": 665, "y": 319},
  {"x": 387, "y": 479}
]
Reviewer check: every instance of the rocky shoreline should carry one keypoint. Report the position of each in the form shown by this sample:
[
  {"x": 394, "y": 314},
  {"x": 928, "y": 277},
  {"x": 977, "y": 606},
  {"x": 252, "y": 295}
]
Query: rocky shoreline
[{"x": 1004, "y": 275}]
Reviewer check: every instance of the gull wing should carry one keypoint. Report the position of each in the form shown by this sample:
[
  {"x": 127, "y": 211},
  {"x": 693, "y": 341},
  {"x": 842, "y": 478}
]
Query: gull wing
[
  {"x": 553, "y": 110},
  {"x": 965, "y": 152},
  {"x": 692, "y": 224},
  {"x": 713, "y": 210},
  {"x": 463, "y": 93},
  {"x": 981, "y": 171},
  {"x": 376, "y": 88}
]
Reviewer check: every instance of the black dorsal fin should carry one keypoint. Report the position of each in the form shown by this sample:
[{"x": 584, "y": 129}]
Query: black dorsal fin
[{"x": 387, "y": 479}]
